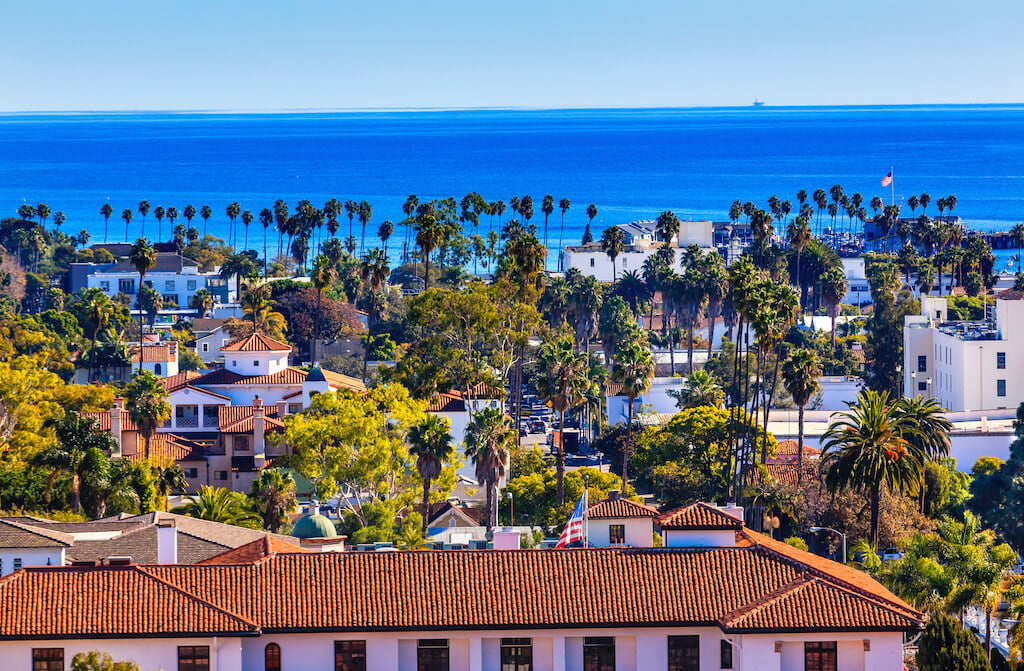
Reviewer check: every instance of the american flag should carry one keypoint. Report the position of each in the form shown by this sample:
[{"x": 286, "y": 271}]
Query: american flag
[
  {"x": 573, "y": 530},
  {"x": 887, "y": 180}
]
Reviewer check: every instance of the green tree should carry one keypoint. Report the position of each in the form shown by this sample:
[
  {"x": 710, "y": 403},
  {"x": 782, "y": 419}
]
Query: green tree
[
  {"x": 242, "y": 266},
  {"x": 490, "y": 440},
  {"x": 866, "y": 449},
  {"x": 702, "y": 389},
  {"x": 430, "y": 442},
  {"x": 147, "y": 406},
  {"x": 95, "y": 660},
  {"x": 100, "y": 314},
  {"x": 561, "y": 380},
  {"x": 273, "y": 497},
  {"x": 946, "y": 645},
  {"x": 800, "y": 374},
  {"x": 80, "y": 451},
  {"x": 220, "y": 505},
  {"x": 126, "y": 215},
  {"x": 106, "y": 210},
  {"x": 633, "y": 369},
  {"x": 613, "y": 243},
  {"x": 143, "y": 257},
  {"x": 202, "y": 302},
  {"x": 833, "y": 290}
]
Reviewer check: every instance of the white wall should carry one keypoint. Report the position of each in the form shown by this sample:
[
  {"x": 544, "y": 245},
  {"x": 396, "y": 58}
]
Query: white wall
[
  {"x": 30, "y": 557},
  {"x": 151, "y": 654},
  {"x": 639, "y": 532},
  {"x": 699, "y": 539}
]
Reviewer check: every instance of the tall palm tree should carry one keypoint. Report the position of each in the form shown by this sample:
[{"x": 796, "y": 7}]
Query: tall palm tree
[
  {"x": 266, "y": 220},
  {"x": 633, "y": 369},
  {"x": 81, "y": 451},
  {"x": 323, "y": 277},
  {"x": 716, "y": 290},
  {"x": 205, "y": 212},
  {"x": 99, "y": 313},
  {"x": 146, "y": 402},
  {"x": 242, "y": 266},
  {"x": 158, "y": 212},
  {"x": 189, "y": 212},
  {"x": 1017, "y": 236},
  {"x": 561, "y": 381},
  {"x": 246, "y": 220},
  {"x": 866, "y": 449},
  {"x": 929, "y": 430},
  {"x": 273, "y": 497},
  {"x": 143, "y": 257},
  {"x": 800, "y": 374},
  {"x": 106, "y": 210},
  {"x": 690, "y": 301},
  {"x": 431, "y": 443},
  {"x": 547, "y": 207},
  {"x": 798, "y": 234},
  {"x": 489, "y": 442},
  {"x": 591, "y": 213},
  {"x": 833, "y": 289},
  {"x": 232, "y": 210},
  {"x": 127, "y": 216},
  {"x": 667, "y": 226},
  {"x": 144, "y": 210},
  {"x": 384, "y": 233},
  {"x": 564, "y": 206},
  {"x": 429, "y": 235},
  {"x": 220, "y": 505},
  {"x": 613, "y": 243}
]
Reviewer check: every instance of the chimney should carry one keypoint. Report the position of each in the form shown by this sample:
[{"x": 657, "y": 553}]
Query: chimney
[
  {"x": 258, "y": 429},
  {"x": 731, "y": 508},
  {"x": 613, "y": 494},
  {"x": 282, "y": 409},
  {"x": 166, "y": 542},
  {"x": 116, "y": 413}
]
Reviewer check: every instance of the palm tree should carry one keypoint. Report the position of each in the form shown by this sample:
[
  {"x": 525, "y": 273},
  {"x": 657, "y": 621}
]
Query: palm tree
[
  {"x": 99, "y": 313},
  {"x": 489, "y": 442},
  {"x": 127, "y": 216},
  {"x": 220, "y": 505},
  {"x": 988, "y": 581},
  {"x": 930, "y": 431},
  {"x": 81, "y": 451},
  {"x": 561, "y": 381},
  {"x": 691, "y": 298},
  {"x": 547, "y": 207},
  {"x": 159, "y": 214},
  {"x": 866, "y": 448},
  {"x": 246, "y": 220},
  {"x": 564, "y": 206},
  {"x": 429, "y": 234},
  {"x": 613, "y": 243},
  {"x": 798, "y": 234},
  {"x": 323, "y": 277},
  {"x": 701, "y": 390},
  {"x": 384, "y": 232},
  {"x": 1017, "y": 236},
  {"x": 635, "y": 291},
  {"x": 633, "y": 369},
  {"x": 232, "y": 210},
  {"x": 365, "y": 212},
  {"x": 273, "y": 497},
  {"x": 667, "y": 226},
  {"x": 431, "y": 443},
  {"x": 170, "y": 479},
  {"x": 146, "y": 401},
  {"x": 266, "y": 219},
  {"x": 242, "y": 266},
  {"x": 106, "y": 210},
  {"x": 143, "y": 257},
  {"x": 205, "y": 212},
  {"x": 800, "y": 374},
  {"x": 144, "y": 210},
  {"x": 591, "y": 213},
  {"x": 202, "y": 302},
  {"x": 189, "y": 212},
  {"x": 716, "y": 290},
  {"x": 833, "y": 289}
]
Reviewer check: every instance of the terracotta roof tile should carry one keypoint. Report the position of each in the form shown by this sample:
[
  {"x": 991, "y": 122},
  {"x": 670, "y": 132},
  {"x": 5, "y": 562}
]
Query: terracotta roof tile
[
  {"x": 446, "y": 402},
  {"x": 88, "y": 602},
  {"x": 619, "y": 509},
  {"x": 238, "y": 418},
  {"x": 258, "y": 550},
  {"x": 697, "y": 516},
  {"x": 103, "y": 420},
  {"x": 175, "y": 382},
  {"x": 787, "y": 451},
  {"x": 169, "y": 447},
  {"x": 339, "y": 381},
  {"x": 257, "y": 342},
  {"x": 156, "y": 353}
]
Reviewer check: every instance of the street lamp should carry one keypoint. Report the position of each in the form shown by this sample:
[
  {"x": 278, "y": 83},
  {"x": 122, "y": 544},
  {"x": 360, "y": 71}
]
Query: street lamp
[
  {"x": 511, "y": 510},
  {"x": 839, "y": 533}
]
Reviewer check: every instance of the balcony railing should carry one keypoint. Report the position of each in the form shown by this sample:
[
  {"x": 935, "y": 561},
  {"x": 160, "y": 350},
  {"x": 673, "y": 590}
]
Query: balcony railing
[
  {"x": 210, "y": 421},
  {"x": 189, "y": 421}
]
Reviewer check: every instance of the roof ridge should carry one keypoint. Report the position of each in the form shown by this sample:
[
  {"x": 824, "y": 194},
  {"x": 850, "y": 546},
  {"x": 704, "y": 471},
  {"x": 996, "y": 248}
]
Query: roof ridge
[
  {"x": 792, "y": 587},
  {"x": 50, "y": 534},
  {"x": 201, "y": 600}
]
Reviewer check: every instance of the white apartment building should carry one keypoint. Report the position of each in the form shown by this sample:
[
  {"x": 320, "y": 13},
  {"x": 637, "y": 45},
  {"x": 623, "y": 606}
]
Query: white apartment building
[
  {"x": 174, "y": 277},
  {"x": 641, "y": 244},
  {"x": 965, "y": 365}
]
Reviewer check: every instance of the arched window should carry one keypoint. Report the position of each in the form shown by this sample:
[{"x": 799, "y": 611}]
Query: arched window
[
  {"x": 158, "y": 369},
  {"x": 272, "y": 657}
]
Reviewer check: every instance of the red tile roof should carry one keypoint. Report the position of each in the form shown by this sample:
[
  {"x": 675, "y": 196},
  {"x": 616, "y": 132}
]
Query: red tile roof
[
  {"x": 116, "y": 601},
  {"x": 257, "y": 342},
  {"x": 103, "y": 420},
  {"x": 164, "y": 447},
  {"x": 446, "y": 402},
  {"x": 175, "y": 382},
  {"x": 250, "y": 553},
  {"x": 698, "y": 516},
  {"x": 619, "y": 509},
  {"x": 238, "y": 418},
  {"x": 787, "y": 452},
  {"x": 156, "y": 353}
]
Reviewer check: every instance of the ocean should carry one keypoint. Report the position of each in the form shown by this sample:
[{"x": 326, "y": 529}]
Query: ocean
[{"x": 631, "y": 163}]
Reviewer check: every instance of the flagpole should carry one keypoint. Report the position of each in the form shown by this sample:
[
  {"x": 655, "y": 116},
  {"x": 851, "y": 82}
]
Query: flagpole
[
  {"x": 586, "y": 515},
  {"x": 892, "y": 185}
]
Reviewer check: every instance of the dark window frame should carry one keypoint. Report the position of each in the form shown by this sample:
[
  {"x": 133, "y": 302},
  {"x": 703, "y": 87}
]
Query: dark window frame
[
  {"x": 617, "y": 534},
  {"x": 272, "y": 657},
  {"x": 684, "y": 653},
  {"x": 922, "y": 363},
  {"x": 1001, "y": 360},
  {"x": 47, "y": 659},
  {"x": 516, "y": 654},
  {"x": 821, "y": 656},
  {"x": 599, "y": 653},
  {"x": 1001, "y": 388},
  {"x": 350, "y": 655},
  {"x": 725, "y": 655},
  {"x": 193, "y": 658},
  {"x": 433, "y": 654}
]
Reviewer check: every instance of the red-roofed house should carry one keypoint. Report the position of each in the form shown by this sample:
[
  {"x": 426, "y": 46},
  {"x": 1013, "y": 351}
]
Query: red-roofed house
[{"x": 618, "y": 522}]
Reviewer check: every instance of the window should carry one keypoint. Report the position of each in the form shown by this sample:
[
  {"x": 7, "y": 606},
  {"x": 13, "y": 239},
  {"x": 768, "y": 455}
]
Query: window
[
  {"x": 169, "y": 285},
  {"x": 272, "y": 657},
  {"x": 105, "y": 286},
  {"x": 1000, "y": 360},
  {"x": 350, "y": 656},
  {"x": 516, "y": 654},
  {"x": 591, "y": 263},
  {"x": 256, "y": 363},
  {"x": 47, "y": 659},
  {"x": 1000, "y": 387},
  {"x": 820, "y": 656},
  {"x": 294, "y": 408},
  {"x": 922, "y": 386},
  {"x": 234, "y": 363},
  {"x": 726, "y": 655},
  {"x": 192, "y": 473},
  {"x": 193, "y": 658},
  {"x": 684, "y": 653},
  {"x": 625, "y": 261},
  {"x": 17, "y": 563},
  {"x": 617, "y": 534},
  {"x": 206, "y": 347},
  {"x": 191, "y": 285},
  {"x": 158, "y": 369},
  {"x": 126, "y": 286},
  {"x": 599, "y": 653},
  {"x": 241, "y": 443},
  {"x": 922, "y": 364},
  {"x": 220, "y": 475},
  {"x": 432, "y": 654}
]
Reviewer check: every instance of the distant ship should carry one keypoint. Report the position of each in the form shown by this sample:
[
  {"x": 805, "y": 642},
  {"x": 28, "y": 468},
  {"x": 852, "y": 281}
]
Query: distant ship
[{"x": 758, "y": 103}]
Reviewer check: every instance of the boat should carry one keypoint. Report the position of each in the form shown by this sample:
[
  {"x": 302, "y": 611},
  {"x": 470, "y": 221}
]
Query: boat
[{"x": 758, "y": 103}]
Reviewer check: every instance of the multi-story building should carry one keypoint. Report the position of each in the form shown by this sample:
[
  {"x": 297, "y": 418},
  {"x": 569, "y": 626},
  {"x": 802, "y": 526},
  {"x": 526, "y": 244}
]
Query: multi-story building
[
  {"x": 174, "y": 277},
  {"x": 721, "y": 598},
  {"x": 966, "y": 365}
]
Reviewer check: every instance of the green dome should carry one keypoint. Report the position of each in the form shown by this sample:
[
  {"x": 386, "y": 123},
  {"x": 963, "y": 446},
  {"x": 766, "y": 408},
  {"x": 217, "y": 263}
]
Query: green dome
[{"x": 314, "y": 526}]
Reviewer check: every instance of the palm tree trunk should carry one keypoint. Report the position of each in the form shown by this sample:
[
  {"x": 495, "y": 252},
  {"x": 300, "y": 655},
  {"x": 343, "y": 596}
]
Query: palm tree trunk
[
  {"x": 800, "y": 444},
  {"x": 875, "y": 492},
  {"x": 711, "y": 335},
  {"x": 76, "y": 493},
  {"x": 988, "y": 634},
  {"x": 629, "y": 443},
  {"x": 689, "y": 345},
  {"x": 490, "y": 504},
  {"x": 426, "y": 502},
  {"x": 560, "y": 458}
]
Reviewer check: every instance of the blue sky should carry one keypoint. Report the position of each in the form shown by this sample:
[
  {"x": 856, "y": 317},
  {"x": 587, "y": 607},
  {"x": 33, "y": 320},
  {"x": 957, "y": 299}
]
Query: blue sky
[{"x": 260, "y": 54}]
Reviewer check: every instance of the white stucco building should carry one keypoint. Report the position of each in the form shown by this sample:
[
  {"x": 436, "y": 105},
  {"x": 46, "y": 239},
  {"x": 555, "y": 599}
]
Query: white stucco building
[
  {"x": 174, "y": 277},
  {"x": 640, "y": 245},
  {"x": 619, "y": 522},
  {"x": 966, "y": 365},
  {"x": 735, "y": 600}
]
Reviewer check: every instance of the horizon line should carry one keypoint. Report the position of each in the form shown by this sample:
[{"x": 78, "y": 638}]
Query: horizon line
[{"x": 400, "y": 110}]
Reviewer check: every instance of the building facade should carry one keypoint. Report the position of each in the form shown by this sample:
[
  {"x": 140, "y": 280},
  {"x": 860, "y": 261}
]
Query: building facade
[
  {"x": 174, "y": 277},
  {"x": 641, "y": 244}
]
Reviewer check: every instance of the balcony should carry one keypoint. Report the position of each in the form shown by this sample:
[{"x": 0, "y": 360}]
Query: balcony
[{"x": 190, "y": 421}]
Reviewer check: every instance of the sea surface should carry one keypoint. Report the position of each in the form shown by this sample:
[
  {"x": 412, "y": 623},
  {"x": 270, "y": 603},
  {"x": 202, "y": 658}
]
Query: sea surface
[{"x": 631, "y": 163}]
